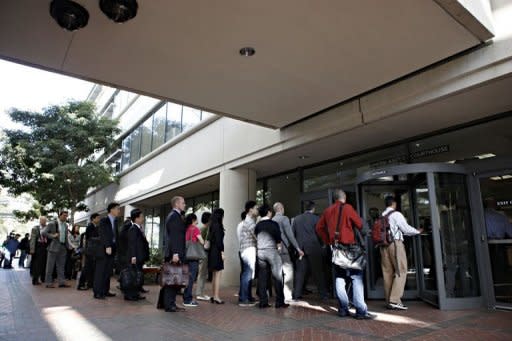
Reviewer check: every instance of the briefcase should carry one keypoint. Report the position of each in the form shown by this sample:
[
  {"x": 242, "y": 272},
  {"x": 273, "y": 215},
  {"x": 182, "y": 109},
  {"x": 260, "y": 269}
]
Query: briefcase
[
  {"x": 130, "y": 278},
  {"x": 174, "y": 275}
]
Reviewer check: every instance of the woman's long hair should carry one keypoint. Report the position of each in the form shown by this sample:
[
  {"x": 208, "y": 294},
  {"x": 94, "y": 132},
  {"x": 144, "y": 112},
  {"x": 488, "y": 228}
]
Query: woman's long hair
[
  {"x": 75, "y": 231},
  {"x": 217, "y": 217}
]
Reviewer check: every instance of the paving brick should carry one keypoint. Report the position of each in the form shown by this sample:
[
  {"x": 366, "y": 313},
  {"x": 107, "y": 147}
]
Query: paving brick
[{"x": 38, "y": 313}]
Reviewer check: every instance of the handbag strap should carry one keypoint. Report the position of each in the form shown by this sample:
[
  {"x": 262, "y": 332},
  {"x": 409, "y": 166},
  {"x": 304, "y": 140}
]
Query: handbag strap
[
  {"x": 357, "y": 235},
  {"x": 337, "y": 232}
]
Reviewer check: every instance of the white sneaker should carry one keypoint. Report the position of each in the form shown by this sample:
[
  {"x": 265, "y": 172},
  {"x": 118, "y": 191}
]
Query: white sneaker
[
  {"x": 203, "y": 298},
  {"x": 397, "y": 306}
]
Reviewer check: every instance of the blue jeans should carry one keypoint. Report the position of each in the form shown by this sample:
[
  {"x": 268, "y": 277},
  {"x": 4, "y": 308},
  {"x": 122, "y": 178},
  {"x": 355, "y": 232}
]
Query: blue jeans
[
  {"x": 21, "y": 262},
  {"x": 342, "y": 277},
  {"x": 248, "y": 268},
  {"x": 193, "y": 266}
]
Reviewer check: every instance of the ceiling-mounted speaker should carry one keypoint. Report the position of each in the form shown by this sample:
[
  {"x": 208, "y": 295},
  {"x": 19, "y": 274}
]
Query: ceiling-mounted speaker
[
  {"x": 69, "y": 14},
  {"x": 119, "y": 11}
]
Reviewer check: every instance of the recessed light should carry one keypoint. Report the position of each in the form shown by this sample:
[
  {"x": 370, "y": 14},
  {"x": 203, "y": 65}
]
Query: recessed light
[
  {"x": 247, "y": 51},
  {"x": 303, "y": 157},
  {"x": 485, "y": 156}
]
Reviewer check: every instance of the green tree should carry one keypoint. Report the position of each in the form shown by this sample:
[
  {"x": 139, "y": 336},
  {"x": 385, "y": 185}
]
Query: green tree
[{"x": 53, "y": 157}]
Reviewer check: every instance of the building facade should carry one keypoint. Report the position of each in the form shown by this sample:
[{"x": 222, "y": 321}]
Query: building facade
[{"x": 439, "y": 139}]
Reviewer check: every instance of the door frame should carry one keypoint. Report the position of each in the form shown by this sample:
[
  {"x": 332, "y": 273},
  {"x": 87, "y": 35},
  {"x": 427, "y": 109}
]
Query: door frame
[
  {"x": 430, "y": 169},
  {"x": 479, "y": 170}
]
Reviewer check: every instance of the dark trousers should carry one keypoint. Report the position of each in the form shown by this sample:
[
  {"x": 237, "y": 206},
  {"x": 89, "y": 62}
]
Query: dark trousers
[
  {"x": 38, "y": 263},
  {"x": 21, "y": 261},
  {"x": 88, "y": 270},
  {"x": 313, "y": 263},
  {"x": 169, "y": 297},
  {"x": 102, "y": 273}
]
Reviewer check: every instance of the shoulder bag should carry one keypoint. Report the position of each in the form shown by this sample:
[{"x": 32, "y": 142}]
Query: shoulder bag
[
  {"x": 348, "y": 256},
  {"x": 195, "y": 251}
]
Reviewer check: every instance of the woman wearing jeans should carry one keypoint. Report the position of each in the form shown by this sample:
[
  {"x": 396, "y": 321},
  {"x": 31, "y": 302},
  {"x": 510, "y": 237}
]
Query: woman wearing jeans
[{"x": 193, "y": 235}]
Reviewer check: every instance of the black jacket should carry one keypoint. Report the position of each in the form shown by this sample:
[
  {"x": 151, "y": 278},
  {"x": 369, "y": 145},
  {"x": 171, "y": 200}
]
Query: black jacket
[
  {"x": 122, "y": 244},
  {"x": 24, "y": 245},
  {"x": 107, "y": 234},
  {"x": 138, "y": 245},
  {"x": 175, "y": 230}
]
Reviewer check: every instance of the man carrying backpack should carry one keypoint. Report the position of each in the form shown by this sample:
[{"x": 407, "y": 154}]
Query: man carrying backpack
[{"x": 393, "y": 256}]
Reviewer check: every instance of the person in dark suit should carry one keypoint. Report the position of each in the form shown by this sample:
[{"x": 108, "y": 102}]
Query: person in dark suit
[
  {"x": 174, "y": 239},
  {"x": 304, "y": 228},
  {"x": 137, "y": 251},
  {"x": 105, "y": 258},
  {"x": 91, "y": 236}
]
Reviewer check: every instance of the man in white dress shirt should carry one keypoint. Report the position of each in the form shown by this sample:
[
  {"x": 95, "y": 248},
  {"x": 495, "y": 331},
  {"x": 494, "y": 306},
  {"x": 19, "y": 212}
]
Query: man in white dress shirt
[{"x": 393, "y": 256}]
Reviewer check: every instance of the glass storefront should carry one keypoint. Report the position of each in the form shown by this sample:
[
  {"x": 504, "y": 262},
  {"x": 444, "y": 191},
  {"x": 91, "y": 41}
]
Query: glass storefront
[
  {"x": 496, "y": 193},
  {"x": 445, "y": 262}
]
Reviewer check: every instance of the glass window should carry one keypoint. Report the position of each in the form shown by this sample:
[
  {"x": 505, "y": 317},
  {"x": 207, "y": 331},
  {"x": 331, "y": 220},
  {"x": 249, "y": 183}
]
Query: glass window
[
  {"x": 135, "y": 146},
  {"x": 259, "y": 192},
  {"x": 173, "y": 120},
  {"x": 121, "y": 101},
  {"x": 155, "y": 238},
  {"x": 147, "y": 133},
  {"x": 322, "y": 177},
  {"x": 139, "y": 109},
  {"x": 159, "y": 122},
  {"x": 285, "y": 189},
  {"x": 457, "y": 243},
  {"x": 125, "y": 163},
  {"x": 205, "y": 115},
  {"x": 461, "y": 146},
  {"x": 191, "y": 117}
]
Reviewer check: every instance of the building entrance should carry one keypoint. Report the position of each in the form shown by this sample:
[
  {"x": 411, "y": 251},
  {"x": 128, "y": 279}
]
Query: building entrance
[{"x": 442, "y": 266}]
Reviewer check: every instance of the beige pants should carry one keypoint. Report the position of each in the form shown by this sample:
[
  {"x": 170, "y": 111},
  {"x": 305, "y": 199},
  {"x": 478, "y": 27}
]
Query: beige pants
[{"x": 394, "y": 271}]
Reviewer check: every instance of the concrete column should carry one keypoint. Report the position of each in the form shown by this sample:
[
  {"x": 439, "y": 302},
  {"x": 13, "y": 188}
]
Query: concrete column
[
  {"x": 127, "y": 209},
  {"x": 236, "y": 187}
]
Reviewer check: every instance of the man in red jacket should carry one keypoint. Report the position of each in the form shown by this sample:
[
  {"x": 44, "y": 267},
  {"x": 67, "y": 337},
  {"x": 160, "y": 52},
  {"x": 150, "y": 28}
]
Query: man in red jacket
[{"x": 343, "y": 214}]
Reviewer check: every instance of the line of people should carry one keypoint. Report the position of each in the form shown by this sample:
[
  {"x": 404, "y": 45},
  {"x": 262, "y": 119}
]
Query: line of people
[{"x": 270, "y": 247}]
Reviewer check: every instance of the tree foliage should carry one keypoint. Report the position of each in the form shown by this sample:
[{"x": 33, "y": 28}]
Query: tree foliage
[{"x": 52, "y": 157}]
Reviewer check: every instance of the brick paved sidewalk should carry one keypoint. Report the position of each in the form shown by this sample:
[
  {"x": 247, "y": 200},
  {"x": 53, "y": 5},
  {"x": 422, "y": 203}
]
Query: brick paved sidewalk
[{"x": 37, "y": 313}]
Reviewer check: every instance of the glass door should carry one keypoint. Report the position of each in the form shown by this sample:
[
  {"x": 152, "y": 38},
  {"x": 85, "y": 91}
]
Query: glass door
[
  {"x": 442, "y": 266},
  {"x": 496, "y": 191},
  {"x": 372, "y": 205}
]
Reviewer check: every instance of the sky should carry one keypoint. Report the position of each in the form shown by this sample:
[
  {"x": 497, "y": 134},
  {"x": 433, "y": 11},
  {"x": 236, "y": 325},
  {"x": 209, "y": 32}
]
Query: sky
[{"x": 29, "y": 88}]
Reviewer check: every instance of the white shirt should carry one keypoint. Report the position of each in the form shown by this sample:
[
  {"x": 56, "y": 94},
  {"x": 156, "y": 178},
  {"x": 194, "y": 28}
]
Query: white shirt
[
  {"x": 398, "y": 225},
  {"x": 239, "y": 232}
]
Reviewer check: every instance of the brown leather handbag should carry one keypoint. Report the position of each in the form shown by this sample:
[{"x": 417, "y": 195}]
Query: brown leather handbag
[{"x": 174, "y": 275}]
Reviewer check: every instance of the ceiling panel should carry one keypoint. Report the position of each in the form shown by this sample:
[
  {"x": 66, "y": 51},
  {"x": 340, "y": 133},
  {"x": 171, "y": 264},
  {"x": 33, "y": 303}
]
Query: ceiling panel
[{"x": 310, "y": 55}]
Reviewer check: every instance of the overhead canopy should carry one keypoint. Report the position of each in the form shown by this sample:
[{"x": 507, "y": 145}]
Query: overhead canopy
[{"x": 310, "y": 55}]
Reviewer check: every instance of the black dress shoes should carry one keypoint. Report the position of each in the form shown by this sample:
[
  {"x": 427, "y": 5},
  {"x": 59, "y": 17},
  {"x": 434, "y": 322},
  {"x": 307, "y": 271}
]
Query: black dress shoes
[
  {"x": 110, "y": 294},
  {"x": 140, "y": 297},
  {"x": 99, "y": 297},
  {"x": 284, "y": 305},
  {"x": 174, "y": 309},
  {"x": 144, "y": 290},
  {"x": 64, "y": 286},
  {"x": 135, "y": 299}
]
